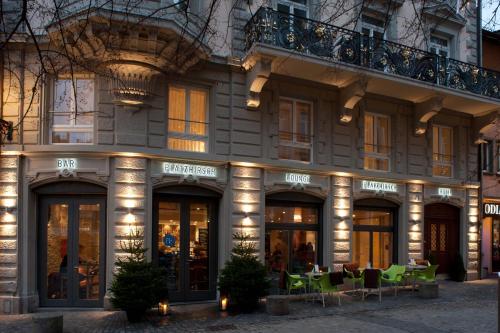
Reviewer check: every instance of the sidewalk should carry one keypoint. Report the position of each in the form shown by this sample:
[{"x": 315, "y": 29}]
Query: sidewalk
[{"x": 462, "y": 307}]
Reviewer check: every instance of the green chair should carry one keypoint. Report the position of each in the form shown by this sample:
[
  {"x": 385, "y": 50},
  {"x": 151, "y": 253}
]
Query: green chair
[
  {"x": 295, "y": 282},
  {"x": 323, "y": 286},
  {"x": 394, "y": 276},
  {"x": 353, "y": 274},
  {"x": 427, "y": 275},
  {"x": 372, "y": 281}
]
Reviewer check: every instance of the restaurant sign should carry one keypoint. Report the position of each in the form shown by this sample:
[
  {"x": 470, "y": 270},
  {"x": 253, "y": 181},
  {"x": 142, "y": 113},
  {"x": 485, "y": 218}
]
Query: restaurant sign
[
  {"x": 297, "y": 178},
  {"x": 491, "y": 209},
  {"x": 194, "y": 170},
  {"x": 378, "y": 186}
]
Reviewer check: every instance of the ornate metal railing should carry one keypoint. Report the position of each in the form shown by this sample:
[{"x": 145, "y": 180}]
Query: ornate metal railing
[{"x": 306, "y": 36}]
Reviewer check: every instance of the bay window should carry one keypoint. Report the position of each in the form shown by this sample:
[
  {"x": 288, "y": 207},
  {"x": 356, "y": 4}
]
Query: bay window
[
  {"x": 187, "y": 119},
  {"x": 295, "y": 130},
  {"x": 442, "y": 151},
  {"x": 377, "y": 142},
  {"x": 71, "y": 117}
]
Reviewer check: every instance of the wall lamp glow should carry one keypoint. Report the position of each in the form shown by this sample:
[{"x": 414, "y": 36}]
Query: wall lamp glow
[
  {"x": 246, "y": 215},
  {"x": 7, "y": 209},
  {"x": 414, "y": 222}
]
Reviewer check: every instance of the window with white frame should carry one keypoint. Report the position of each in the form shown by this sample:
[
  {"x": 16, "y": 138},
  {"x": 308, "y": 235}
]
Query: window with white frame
[
  {"x": 372, "y": 27},
  {"x": 295, "y": 130},
  {"x": 72, "y": 114},
  {"x": 377, "y": 142},
  {"x": 440, "y": 46},
  {"x": 442, "y": 151},
  {"x": 187, "y": 119},
  {"x": 294, "y": 7}
]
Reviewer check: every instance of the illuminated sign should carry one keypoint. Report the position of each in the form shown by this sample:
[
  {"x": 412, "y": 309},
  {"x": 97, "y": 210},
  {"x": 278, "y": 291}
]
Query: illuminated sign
[
  {"x": 66, "y": 163},
  {"x": 189, "y": 170},
  {"x": 491, "y": 209},
  {"x": 444, "y": 191},
  {"x": 378, "y": 186},
  {"x": 297, "y": 178}
]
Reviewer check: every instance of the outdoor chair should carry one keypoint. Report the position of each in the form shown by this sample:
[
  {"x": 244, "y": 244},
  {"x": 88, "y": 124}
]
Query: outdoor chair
[
  {"x": 295, "y": 282},
  {"x": 352, "y": 273},
  {"x": 323, "y": 286},
  {"x": 394, "y": 276},
  {"x": 427, "y": 275},
  {"x": 423, "y": 262},
  {"x": 372, "y": 280}
]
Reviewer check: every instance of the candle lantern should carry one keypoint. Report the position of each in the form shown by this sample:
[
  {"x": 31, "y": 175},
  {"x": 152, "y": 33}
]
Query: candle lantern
[
  {"x": 223, "y": 303},
  {"x": 163, "y": 307}
]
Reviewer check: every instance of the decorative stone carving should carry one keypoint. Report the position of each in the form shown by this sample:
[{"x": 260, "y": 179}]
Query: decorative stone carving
[
  {"x": 424, "y": 111},
  {"x": 257, "y": 76},
  {"x": 349, "y": 97},
  {"x": 483, "y": 124}
]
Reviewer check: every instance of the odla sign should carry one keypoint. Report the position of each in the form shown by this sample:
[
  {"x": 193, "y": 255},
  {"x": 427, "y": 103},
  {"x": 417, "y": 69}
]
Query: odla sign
[{"x": 491, "y": 209}]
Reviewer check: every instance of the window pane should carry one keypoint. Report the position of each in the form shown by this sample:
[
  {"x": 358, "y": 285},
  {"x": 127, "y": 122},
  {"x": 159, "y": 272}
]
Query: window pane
[
  {"x": 197, "y": 112},
  {"x": 361, "y": 248},
  {"x": 369, "y": 135},
  {"x": 88, "y": 240},
  {"x": 85, "y": 95},
  {"x": 176, "y": 110},
  {"x": 283, "y": 8},
  {"x": 63, "y": 119},
  {"x": 286, "y": 120},
  {"x": 288, "y": 214},
  {"x": 375, "y": 218},
  {"x": 169, "y": 225},
  {"x": 435, "y": 142},
  {"x": 304, "y": 250},
  {"x": 63, "y": 96},
  {"x": 198, "y": 246},
  {"x": 292, "y": 153},
  {"x": 303, "y": 129},
  {"x": 446, "y": 141},
  {"x": 382, "y": 249},
  {"x": 84, "y": 119},
  {"x": 383, "y": 135},
  {"x": 277, "y": 250},
  {"x": 71, "y": 137},
  {"x": 57, "y": 252},
  {"x": 186, "y": 145}
]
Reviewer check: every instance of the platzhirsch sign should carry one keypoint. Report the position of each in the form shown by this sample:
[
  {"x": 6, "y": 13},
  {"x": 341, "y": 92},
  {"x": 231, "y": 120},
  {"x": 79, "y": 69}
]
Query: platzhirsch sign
[
  {"x": 491, "y": 209},
  {"x": 189, "y": 170},
  {"x": 371, "y": 185}
]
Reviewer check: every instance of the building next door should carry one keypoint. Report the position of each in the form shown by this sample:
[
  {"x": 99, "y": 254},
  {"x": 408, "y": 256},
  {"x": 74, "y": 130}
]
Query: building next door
[
  {"x": 185, "y": 238},
  {"x": 441, "y": 238},
  {"x": 71, "y": 250}
]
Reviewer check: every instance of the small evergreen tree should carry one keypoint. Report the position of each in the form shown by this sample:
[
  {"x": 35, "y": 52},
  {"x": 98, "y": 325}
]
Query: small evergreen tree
[
  {"x": 457, "y": 269},
  {"x": 243, "y": 278},
  {"x": 138, "y": 285}
]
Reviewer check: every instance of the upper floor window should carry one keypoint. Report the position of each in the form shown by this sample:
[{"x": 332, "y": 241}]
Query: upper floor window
[
  {"x": 294, "y": 7},
  {"x": 72, "y": 114},
  {"x": 377, "y": 142},
  {"x": 187, "y": 119},
  {"x": 372, "y": 27},
  {"x": 487, "y": 156},
  {"x": 442, "y": 151},
  {"x": 295, "y": 130},
  {"x": 440, "y": 46}
]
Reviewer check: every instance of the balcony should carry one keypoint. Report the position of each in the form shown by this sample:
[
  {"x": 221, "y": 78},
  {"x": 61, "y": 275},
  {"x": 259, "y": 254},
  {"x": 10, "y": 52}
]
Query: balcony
[{"x": 316, "y": 51}]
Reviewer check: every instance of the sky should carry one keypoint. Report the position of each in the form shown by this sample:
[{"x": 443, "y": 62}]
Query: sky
[{"x": 488, "y": 13}]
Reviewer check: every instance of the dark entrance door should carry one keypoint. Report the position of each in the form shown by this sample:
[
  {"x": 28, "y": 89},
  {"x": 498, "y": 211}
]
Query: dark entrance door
[
  {"x": 185, "y": 239},
  {"x": 71, "y": 251},
  {"x": 441, "y": 239}
]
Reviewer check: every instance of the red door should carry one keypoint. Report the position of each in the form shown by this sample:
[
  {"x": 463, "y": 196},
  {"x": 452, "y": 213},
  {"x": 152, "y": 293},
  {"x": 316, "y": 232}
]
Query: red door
[{"x": 441, "y": 238}]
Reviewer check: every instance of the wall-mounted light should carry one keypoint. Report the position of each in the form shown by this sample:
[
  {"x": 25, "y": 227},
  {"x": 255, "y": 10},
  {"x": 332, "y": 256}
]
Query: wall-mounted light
[
  {"x": 7, "y": 209},
  {"x": 414, "y": 221}
]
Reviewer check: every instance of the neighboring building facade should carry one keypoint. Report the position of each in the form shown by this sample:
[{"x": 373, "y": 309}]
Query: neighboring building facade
[
  {"x": 490, "y": 154},
  {"x": 326, "y": 145}
]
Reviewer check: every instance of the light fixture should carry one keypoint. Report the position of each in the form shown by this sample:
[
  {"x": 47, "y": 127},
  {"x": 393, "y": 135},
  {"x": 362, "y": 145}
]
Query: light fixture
[
  {"x": 163, "y": 307},
  {"x": 7, "y": 209},
  {"x": 223, "y": 303},
  {"x": 414, "y": 222}
]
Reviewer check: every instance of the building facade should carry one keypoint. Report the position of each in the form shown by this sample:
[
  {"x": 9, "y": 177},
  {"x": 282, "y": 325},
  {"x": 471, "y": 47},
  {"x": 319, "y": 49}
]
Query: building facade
[
  {"x": 490, "y": 152},
  {"x": 327, "y": 142}
]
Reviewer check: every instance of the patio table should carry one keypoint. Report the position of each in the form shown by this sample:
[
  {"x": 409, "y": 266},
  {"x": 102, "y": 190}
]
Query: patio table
[{"x": 411, "y": 269}]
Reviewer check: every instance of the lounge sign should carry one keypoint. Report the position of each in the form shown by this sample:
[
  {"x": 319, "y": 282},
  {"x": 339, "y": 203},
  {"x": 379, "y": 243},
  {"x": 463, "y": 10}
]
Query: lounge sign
[
  {"x": 371, "y": 185},
  {"x": 189, "y": 170},
  {"x": 297, "y": 178},
  {"x": 491, "y": 209}
]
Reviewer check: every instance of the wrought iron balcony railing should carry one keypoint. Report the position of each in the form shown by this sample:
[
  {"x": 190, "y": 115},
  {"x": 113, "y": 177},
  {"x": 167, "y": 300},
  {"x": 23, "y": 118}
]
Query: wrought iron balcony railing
[{"x": 306, "y": 36}]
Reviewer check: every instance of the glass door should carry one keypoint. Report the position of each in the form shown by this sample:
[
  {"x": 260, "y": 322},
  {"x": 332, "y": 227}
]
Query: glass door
[
  {"x": 185, "y": 241},
  {"x": 71, "y": 251}
]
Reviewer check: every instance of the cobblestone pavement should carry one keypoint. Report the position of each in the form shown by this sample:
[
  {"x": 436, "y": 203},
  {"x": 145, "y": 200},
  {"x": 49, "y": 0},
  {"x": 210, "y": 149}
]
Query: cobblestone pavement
[{"x": 461, "y": 307}]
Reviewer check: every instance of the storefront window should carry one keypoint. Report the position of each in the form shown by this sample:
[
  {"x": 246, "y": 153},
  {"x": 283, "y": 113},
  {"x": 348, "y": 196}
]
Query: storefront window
[
  {"x": 187, "y": 119},
  {"x": 291, "y": 237},
  {"x": 373, "y": 238},
  {"x": 495, "y": 254},
  {"x": 377, "y": 142},
  {"x": 295, "y": 130},
  {"x": 442, "y": 151}
]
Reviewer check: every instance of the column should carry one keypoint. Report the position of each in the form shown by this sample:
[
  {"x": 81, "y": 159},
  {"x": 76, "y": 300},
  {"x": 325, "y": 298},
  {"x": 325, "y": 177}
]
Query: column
[
  {"x": 415, "y": 221},
  {"x": 472, "y": 226},
  {"x": 342, "y": 221}
]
